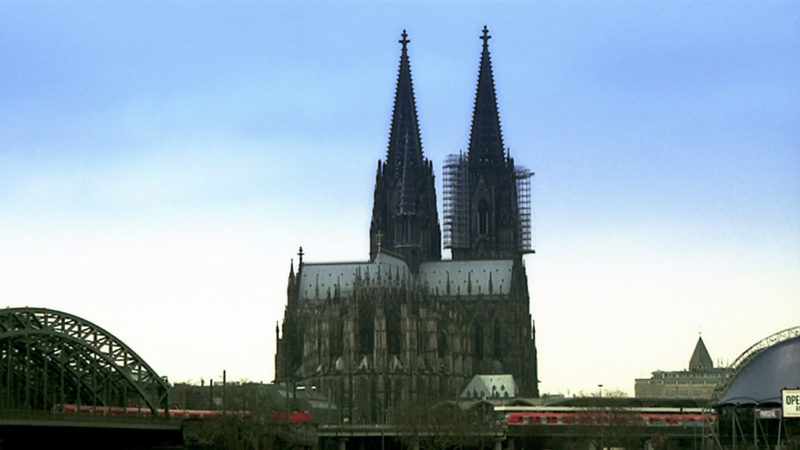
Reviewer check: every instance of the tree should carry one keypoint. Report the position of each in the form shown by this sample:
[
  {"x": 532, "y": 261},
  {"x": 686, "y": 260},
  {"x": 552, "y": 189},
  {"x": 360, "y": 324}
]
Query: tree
[{"x": 443, "y": 424}]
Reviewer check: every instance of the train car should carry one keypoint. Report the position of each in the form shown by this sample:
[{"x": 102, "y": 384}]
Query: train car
[
  {"x": 647, "y": 417},
  {"x": 146, "y": 412},
  {"x": 292, "y": 417}
]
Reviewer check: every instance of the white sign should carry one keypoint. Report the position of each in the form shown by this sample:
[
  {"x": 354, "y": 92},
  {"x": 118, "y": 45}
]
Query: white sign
[
  {"x": 768, "y": 413},
  {"x": 790, "y": 399}
]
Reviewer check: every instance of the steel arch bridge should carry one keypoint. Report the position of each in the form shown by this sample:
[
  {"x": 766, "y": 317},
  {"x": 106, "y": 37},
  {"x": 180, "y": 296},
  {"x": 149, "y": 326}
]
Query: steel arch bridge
[{"x": 50, "y": 358}]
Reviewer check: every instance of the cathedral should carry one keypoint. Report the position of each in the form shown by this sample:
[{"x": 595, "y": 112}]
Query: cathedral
[{"x": 406, "y": 324}]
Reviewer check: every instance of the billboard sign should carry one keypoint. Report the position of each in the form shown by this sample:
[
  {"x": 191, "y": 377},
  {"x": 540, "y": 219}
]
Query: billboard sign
[{"x": 790, "y": 401}]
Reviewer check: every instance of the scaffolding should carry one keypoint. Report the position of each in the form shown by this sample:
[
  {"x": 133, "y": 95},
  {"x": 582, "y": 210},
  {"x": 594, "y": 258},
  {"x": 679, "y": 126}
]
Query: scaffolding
[
  {"x": 523, "y": 178},
  {"x": 456, "y": 201}
]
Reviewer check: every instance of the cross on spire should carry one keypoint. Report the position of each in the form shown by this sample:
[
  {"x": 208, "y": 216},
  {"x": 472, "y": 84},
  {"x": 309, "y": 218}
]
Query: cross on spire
[
  {"x": 404, "y": 41},
  {"x": 485, "y": 36}
]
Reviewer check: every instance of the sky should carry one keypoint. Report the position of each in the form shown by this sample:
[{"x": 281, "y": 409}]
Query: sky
[{"x": 161, "y": 163}]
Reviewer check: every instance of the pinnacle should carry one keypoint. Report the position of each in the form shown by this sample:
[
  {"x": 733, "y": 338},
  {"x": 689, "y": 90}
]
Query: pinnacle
[{"x": 486, "y": 138}]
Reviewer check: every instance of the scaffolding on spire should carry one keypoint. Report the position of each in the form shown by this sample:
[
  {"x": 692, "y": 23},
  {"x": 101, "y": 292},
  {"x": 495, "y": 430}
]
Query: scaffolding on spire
[
  {"x": 455, "y": 178},
  {"x": 523, "y": 177}
]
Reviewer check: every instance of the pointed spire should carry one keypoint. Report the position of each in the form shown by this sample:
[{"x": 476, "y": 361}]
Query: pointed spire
[
  {"x": 700, "y": 360},
  {"x": 405, "y": 146},
  {"x": 486, "y": 139},
  {"x": 404, "y": 209}
]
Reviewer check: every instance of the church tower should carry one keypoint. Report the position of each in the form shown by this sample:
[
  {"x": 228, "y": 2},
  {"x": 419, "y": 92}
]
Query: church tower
[
  {"x": 485, "y": 216},
  {"x": 406, "y": 325},
  {"x": 404, "y": 217}
]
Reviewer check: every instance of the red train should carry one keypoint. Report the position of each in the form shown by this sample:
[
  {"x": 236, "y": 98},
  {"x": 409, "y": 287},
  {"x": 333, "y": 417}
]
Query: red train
[
  {"x": 275, "y": 416},
  {"x": 649, "y": 417},
  {"x": 292, "y": 417}
]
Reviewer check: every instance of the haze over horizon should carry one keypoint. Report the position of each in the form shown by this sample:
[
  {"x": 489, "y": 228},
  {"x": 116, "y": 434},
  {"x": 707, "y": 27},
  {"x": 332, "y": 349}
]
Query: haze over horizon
[{"x": 161, "y": 162}]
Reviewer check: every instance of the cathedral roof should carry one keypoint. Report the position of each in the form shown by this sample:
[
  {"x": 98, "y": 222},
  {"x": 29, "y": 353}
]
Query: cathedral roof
[
  {"x": 466, "y": 277},
  {"x": 320, "y": 280},
  {"x": 438, "y": 278},
  {"x": 700, "y": 359},
  {"x": 486, "y": 139}
]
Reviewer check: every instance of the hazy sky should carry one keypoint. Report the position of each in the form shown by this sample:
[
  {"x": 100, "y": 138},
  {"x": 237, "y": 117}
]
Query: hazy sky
[{"x": 160, "y": 163}]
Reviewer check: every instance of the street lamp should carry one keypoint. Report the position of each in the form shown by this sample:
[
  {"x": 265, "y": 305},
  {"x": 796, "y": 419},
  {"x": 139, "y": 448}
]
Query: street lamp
[{"x": 600, "y": 387}]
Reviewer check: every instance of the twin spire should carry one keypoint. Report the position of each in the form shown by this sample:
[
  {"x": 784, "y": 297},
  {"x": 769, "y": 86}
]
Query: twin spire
[
  {"x": 405, "y": 218},
  {"x": 486, "y": 139}
]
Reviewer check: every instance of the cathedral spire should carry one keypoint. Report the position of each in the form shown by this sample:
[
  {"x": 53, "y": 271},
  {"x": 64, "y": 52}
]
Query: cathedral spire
[
  {"x": 405, "y": 146},
  {"x": 486, "y": 139},
  {"x": 404, "y": 217}
]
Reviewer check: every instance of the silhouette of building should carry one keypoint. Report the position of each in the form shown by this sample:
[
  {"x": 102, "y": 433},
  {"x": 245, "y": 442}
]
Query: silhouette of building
[
  {"x": 698, "y": 382},
  {"x": 406, "y": 324}
]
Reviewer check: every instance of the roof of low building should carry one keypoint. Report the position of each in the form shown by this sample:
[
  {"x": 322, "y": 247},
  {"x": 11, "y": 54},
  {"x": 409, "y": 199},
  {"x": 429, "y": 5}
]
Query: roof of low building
[
  {"x": 490, "y": 386},
  {"x": 700, "y": 359}
]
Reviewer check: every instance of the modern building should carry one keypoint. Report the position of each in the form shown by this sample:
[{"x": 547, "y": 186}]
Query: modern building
[
  {"x": 406, "y": 324},
  {"x": 698, "y": 382},
  {"x": 750, "y": 402}
]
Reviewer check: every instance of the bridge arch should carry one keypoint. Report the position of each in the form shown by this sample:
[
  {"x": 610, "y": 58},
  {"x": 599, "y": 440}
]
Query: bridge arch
[{"x": 50, "y": 357}]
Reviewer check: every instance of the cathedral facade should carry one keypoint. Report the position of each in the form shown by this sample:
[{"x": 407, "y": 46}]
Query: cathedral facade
[{"x": 406, "y": 324}]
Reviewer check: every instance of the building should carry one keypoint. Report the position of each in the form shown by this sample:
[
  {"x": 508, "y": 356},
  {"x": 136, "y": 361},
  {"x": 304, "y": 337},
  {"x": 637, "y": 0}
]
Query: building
[
  {"x": 698, "y": 382},
  {"x": 490, "y": 386},
  {"x": 406, "y": 324},
  {"x": 753, "y": 402}
]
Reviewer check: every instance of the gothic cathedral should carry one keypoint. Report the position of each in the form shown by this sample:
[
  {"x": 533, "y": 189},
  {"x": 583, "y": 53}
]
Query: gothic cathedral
[{"x": 406, "y": 324}]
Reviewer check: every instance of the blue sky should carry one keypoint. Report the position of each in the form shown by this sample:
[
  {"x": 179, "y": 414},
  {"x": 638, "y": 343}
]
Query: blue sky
[{"x": 160, "y": 163}]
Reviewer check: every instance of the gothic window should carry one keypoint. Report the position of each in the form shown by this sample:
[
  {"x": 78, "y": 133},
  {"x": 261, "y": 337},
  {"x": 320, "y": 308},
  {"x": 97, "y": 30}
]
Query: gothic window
[
  {"x": 298, "y": 353},
  {"x": 483, "y": 218},
  {"x": 340, "y": 393},
  {"x": 478, "y": 343},
  {"x": 498, "y": 340},
  {"x": 398, "y": 390},
  {"x": 336, "y": 338},
  {"x": 421, "y": 335},
  {"x": 393, "y": 335},
  {"x": 442, "y": 344},
  {"x": 362, "y": 400},
  {"x": 373, "y": 401},
  {"x": 366, "y": 328}
]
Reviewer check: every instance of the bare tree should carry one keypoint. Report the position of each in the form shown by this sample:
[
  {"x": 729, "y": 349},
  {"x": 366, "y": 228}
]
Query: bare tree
[{"x": 437, "y": 424}]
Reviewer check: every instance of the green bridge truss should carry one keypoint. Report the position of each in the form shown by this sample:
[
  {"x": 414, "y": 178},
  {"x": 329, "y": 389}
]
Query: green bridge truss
[{"x": 50, "y": 358}]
